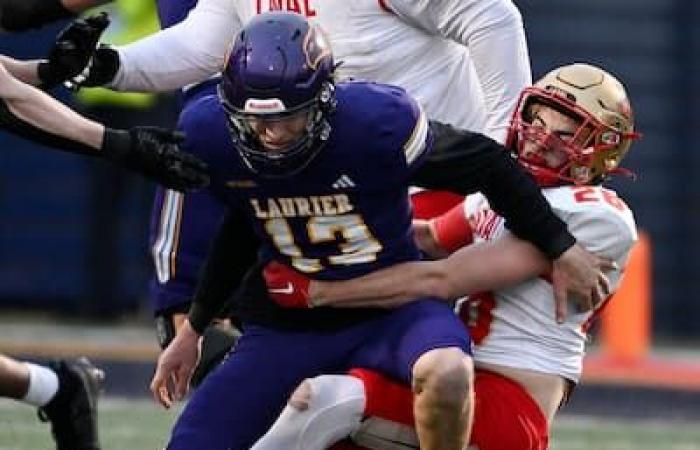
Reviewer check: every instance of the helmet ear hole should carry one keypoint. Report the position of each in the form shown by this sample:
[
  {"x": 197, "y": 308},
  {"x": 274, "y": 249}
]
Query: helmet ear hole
[
  {"x": 612, "y": 161},
  {"x": 326, "y": 96}
]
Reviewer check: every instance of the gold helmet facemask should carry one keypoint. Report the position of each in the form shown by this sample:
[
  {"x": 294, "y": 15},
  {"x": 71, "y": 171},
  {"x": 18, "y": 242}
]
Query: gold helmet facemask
[{"x": 598, "y": 102}]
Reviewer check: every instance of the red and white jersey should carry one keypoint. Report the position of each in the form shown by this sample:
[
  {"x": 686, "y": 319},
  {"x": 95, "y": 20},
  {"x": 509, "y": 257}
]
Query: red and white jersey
[
  {"x": 466, "y": 61},
  {"x": 516, "y": 327}
]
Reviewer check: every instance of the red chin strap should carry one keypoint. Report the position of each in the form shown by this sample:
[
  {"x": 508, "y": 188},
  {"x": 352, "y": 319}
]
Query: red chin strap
[{"x": 543, "y": 176}]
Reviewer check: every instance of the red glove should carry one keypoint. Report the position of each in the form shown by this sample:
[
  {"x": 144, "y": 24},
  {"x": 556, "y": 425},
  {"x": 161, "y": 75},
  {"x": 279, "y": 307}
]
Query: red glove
[
  {"x": 287, "y": 287},
  {"x": 452, "y": 230}
]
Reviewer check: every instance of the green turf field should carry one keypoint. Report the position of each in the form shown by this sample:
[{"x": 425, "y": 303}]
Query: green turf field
[{"x": 137, "y": 425}]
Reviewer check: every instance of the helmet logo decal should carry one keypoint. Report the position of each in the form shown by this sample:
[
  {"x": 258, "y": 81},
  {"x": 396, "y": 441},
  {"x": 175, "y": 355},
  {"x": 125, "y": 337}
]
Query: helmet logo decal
[
  {"x": 264, "y": 105},
  {"x": 316, "y": 47}
]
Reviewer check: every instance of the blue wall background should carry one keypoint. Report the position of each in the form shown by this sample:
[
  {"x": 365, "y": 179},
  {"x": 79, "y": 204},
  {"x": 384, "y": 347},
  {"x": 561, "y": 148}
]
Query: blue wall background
[{"x": 653, "y": 45}]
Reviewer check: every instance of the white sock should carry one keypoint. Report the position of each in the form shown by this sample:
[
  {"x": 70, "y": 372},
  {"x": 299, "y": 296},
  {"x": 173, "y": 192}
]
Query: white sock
[{"x": 43, "y": 385}]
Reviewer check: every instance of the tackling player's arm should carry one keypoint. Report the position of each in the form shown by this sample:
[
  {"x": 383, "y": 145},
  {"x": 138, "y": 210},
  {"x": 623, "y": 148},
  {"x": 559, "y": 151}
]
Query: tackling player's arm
[
  {"x": 470, "y": 269},
  {"x": 484, "y": 266},
  {"x": 475, "y": 268}
]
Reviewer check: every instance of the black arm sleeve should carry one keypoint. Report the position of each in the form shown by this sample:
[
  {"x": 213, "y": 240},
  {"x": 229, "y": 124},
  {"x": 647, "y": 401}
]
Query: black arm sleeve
[
  {"x": 21, "y": 15},
  {"x": 234, "y": 247},
  {"x": 16, "y": 125},
  {"x": 465, "y": 162}
]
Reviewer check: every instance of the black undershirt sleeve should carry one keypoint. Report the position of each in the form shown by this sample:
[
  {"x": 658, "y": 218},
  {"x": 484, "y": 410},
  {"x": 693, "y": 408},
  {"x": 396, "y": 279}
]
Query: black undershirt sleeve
[
  {"x": 22, "y": 15},
  {"x": 464, "y": 162},
  {"x": 16, "y": 125},
  {"x": 233, "y": 250}
]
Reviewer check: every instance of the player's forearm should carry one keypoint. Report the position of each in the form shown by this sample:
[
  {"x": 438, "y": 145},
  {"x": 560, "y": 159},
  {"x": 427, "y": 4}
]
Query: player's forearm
[
  {"x": 186, "y": 53},
  {"x": 227, "y": 263},
  {"x": 475, "y": 268},
  {"x": 34, "y": 115},
  {"x": 42, "y": 111},
  {"x": 489, "y": 266},
  {"x": 397, "y": 284},
  {"x": 25, "y": 71}
]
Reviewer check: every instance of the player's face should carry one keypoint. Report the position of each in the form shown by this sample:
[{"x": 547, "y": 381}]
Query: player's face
[
  {"x": 279, "y": 133},
  {"x": 556, "y": 124}
]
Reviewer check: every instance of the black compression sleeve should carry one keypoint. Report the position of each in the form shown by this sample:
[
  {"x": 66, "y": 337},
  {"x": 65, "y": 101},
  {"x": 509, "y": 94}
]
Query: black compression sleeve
[
  {"x": 16, "y": 125},
  {"x": 230, "y": 256},
  {"x": 21, "y": 15},
  {"x": 465, "y": 162}
]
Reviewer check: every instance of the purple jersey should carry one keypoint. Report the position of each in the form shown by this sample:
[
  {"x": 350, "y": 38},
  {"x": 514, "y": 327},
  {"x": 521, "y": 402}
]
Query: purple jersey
[
  {"x": 345, "y": 215},
  {"x": 171, "y": 12}
]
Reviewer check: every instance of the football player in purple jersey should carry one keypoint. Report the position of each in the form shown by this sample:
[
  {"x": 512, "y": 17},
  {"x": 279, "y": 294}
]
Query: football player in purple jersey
[{"x": 315, "y": 174}]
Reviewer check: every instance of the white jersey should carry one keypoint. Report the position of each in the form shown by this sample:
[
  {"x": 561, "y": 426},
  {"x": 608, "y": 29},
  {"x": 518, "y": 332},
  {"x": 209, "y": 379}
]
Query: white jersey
[
  {"x": 516, "y": 327},
  {"x": 466, "y": 61}
]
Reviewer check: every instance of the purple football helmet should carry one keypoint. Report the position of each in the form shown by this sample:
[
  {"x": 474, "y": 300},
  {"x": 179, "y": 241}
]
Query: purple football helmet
[{"x": 280, "y": 65}]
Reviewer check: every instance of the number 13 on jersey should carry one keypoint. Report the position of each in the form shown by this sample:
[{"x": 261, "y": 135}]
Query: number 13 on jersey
[{"x": 356, "y": 244}]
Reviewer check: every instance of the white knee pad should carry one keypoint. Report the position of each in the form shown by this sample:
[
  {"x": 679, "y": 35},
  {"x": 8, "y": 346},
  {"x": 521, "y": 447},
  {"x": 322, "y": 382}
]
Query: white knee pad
[{"x": 335, "y": 410}]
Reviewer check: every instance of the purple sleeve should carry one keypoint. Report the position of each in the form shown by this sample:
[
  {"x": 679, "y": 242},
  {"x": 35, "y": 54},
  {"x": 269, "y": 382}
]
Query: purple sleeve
[
  {"x": 171, "y": 12},
  {"x": 182, "y": 229}
]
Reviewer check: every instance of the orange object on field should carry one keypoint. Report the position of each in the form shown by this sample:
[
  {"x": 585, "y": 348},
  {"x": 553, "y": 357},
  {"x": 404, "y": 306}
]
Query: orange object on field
[{"x": 626, "y": 319}]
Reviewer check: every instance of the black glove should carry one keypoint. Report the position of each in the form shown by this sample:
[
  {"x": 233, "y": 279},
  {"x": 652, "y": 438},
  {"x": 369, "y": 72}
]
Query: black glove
[
  {"x": 75, "y": 51},
  {"x": 153, "y": 152}
]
